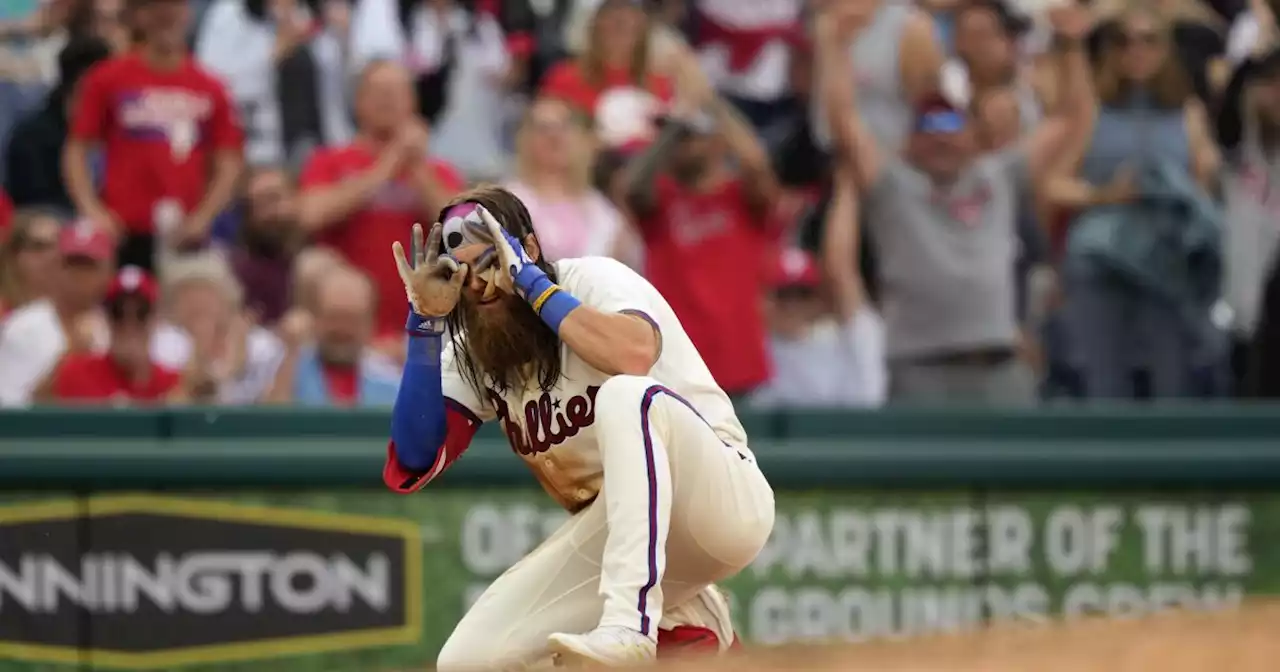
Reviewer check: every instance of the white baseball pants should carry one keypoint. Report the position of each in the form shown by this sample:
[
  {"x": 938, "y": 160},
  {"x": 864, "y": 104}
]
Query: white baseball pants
[{"x": 679, "y": 511}]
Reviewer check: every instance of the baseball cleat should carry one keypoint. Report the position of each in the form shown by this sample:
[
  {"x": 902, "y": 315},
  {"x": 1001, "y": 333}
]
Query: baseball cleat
[{"x": 609, "y": 646}]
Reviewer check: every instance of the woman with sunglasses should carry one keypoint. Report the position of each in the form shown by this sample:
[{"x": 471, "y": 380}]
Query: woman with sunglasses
[
  {"x": 26, "y": 254},
  {"x": 1147, "y": 119}
]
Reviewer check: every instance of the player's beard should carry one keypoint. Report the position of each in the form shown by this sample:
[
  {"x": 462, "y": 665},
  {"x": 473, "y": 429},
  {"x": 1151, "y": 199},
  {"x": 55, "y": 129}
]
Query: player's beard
[{"x": 508, "y": 343}]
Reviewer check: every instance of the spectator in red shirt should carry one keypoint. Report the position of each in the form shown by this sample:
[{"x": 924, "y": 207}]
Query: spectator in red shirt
[
  {"x": 125, "y": 372},
  {"x": 360, "y": 198},
  {"x": 612, "y": 81},
  {"x": 169, "y": 136},
  {"x": 707, "y": 229}
]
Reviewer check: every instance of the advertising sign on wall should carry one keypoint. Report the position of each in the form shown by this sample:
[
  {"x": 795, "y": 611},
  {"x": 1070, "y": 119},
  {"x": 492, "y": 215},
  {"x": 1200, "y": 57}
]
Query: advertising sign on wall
[
  {"x": 154, "y": 582},
  {"x": 365, "y": 580}
]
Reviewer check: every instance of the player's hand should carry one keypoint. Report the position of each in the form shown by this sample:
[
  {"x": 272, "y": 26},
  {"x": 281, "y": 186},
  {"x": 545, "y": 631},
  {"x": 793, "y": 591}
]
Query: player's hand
[
  {"x": 517, "y": 267},
  {"x": 432, "y": 281}
]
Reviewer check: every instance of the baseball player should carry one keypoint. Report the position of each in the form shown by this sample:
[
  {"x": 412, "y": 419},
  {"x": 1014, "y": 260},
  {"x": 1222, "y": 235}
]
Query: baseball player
[{"x": 603, "y": 396}]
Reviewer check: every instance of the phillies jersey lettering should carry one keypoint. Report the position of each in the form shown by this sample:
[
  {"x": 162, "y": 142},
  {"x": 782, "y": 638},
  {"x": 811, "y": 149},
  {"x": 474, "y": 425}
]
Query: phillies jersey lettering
[
  {"x": 691, "y": 224},
  {"x": 554, "y": 430},
  {"x": 172, "y": 115},
  {"x": 546, "y": 424}
]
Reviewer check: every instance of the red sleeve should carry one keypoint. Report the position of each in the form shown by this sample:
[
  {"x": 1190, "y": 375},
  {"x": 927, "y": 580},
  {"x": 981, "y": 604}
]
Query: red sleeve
[
  {"x": 319, "y": 170},
  {"x": 224, "y": 125},
  {"x": 462, "y": 425},
  {"x": 89, "y": 119}
]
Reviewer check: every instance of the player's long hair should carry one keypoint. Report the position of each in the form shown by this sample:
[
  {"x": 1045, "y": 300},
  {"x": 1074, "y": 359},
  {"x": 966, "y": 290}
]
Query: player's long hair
[{"x": 530, "y": 335}]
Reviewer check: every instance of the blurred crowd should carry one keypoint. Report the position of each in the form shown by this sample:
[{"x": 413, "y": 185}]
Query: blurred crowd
[{"x": 848, "y": 203}]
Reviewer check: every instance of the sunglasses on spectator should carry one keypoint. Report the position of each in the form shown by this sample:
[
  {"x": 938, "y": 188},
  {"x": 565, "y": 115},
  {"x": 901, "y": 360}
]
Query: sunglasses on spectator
[{"x": 1148, "y": 39}]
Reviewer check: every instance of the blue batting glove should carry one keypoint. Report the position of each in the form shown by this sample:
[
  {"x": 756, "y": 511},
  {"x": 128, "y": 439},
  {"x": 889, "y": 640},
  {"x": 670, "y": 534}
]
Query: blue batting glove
[
  {"x": 529, "y": 280},
  {"x": 549, "y": 301}
]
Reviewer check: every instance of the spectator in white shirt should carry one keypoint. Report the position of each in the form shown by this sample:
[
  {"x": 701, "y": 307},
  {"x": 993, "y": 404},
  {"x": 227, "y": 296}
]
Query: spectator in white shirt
[
  {"x": 821, "y": 358},
  {"x": 35, "y": 337},
  {"x": 204, "y": 323}
]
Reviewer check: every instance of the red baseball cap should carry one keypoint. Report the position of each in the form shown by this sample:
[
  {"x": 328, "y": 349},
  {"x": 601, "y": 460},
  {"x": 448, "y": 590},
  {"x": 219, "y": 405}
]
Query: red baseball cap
[
  {"x": 795, "y": 267},
  {"x": 132, "y": 282},
  {"x": 84, "y": 240}
]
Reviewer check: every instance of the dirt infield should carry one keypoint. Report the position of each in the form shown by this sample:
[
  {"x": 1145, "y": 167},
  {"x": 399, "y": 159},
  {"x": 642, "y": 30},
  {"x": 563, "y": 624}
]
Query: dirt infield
[{"x": 1243, "y": 640}]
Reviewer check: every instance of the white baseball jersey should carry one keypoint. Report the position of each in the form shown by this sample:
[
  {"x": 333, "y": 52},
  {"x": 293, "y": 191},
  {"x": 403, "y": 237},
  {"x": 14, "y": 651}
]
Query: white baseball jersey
[{"x": 553, "y": 431}]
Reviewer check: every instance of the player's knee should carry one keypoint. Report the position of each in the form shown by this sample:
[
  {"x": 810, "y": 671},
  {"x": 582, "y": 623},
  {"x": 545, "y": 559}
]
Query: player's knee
[{"x": 623, "y": 392}]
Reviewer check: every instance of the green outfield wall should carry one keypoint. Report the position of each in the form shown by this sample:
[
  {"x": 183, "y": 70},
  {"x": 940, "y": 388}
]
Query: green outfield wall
[{"x": 262, "y": 540}]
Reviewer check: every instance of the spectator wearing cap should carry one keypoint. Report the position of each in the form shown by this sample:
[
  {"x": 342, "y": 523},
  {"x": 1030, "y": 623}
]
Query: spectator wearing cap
[
  {"x": 328, "y": 360},
  {"x": 359, "y": 198},
  {"x": 821, "y": 358},
  {"x": 1144, "y": 120},
  {"x": 169, "y": 136},
  {"x": 124, "y": 373},
  {"x": 943, "y": 219},
  {"x": 269, "y": 238},
  {"x": 1248, "y": 127},
  {"x": 611, "y": 80},
  {"x": 706, "y": 226},
  {"x": 33, "y": 160},
  {"x": 27, "y": 251},
  {"x": 205, "y": 327},
  {"x": 69, "y": 322}
]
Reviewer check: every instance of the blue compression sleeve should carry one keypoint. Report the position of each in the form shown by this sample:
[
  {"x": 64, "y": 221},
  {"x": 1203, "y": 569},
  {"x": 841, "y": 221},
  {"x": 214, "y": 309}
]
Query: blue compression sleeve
[{"x": 418, "y": 425}]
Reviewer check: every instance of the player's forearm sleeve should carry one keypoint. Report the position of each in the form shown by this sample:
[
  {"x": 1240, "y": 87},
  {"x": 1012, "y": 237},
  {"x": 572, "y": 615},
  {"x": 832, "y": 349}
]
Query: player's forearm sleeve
[{"x": 418, "y": 423}]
